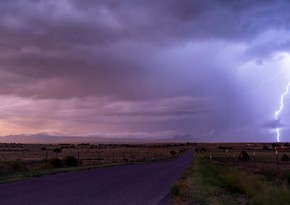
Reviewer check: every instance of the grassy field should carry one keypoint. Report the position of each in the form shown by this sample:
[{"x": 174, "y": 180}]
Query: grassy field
[
  {"x": 19, "y": 161},
  {"x": 219, "y": 176}
]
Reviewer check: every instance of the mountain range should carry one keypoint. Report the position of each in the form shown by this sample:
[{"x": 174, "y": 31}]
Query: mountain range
[{"x": 52, "y": 139}]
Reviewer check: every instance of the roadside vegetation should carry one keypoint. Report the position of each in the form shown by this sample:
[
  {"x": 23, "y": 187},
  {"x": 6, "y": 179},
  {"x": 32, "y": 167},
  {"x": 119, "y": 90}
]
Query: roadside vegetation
[
  {"x": 211, "y": 182},
  {"x": 20, "y": 161},
  {"x": 18, "y": 169}
]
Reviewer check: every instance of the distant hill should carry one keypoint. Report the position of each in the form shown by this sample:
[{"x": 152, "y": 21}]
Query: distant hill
[
  {"x": 50, "y": 139},
  {"x": 185, "y": 138},
  {"x": 37, "y": 138}
]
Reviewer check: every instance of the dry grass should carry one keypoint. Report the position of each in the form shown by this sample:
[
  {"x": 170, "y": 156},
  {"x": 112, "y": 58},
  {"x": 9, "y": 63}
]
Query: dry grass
[
  {"x": 226, "y": 180},
  {"x": 261, "y": 161},
  {"x": 36, "y": 159}
]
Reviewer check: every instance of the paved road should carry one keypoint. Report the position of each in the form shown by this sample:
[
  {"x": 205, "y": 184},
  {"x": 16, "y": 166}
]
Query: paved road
[{"x": 146, "y": 184}]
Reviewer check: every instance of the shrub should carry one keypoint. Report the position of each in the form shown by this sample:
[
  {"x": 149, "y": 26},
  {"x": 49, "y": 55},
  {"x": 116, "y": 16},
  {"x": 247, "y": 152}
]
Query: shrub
[
  {"x": 286, "y": 176},
  {"x": 10, "y": 167},
  {"x": 222, "y": 147},
  {"x": 72, "y": 146},
  {"x": 172, "y": 152},
  {"x": 55, "y": 162},
  {"x": 17, "y": 165},
  {"x": 244, "y": 156},
  {"x": 232, "y": 181},
  {"x": 265, "y": 147},
  {"x": 270, "y": 174},
  {"x": 57, "y": 150},
  {"x": 70, "y": 161},
  {"x": 274, "y": 145},
  {"x": 175, "y": 190},
  {"x": 182, "y": 151},
  {"x": 285, "y": 157},
  {"x": 4, "y": 169}
]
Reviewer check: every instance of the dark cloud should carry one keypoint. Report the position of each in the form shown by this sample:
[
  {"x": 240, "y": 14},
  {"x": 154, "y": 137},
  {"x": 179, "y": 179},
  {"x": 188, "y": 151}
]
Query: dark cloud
[
  {"x": 274, "y": 124},
  {"x": 67, "y": 24},
  {"x": 143, "y": 51}
]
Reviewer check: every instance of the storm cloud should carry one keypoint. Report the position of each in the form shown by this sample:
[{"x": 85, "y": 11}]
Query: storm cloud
[{"x": 176, "y": 67}]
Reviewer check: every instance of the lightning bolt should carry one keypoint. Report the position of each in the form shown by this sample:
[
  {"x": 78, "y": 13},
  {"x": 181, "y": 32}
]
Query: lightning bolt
[
  {"x": 272, "y": 79},
  {"x": 278, "y": 112}
]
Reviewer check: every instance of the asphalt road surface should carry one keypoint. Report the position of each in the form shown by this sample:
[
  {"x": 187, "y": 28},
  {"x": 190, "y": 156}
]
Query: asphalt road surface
[{"x": 140, "y": 184}]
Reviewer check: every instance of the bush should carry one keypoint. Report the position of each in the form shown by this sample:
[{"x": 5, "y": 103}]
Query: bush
[
  {"x": 72, "y": 146},
  {"x": 232, "y": 181},
  {"x": 172, "y": 152},
  {"x": 175, "y": 190},
  {"x": 4, "y": 169},
  {"x": 70, "y": 161},
  {"x": 285, "y": 157},
  {"x": 17, "y": 165},
  {"x": 274, "y": 145},
  {"x": 265, "y": 147},
  {"x": 286, "y": 176},
  {"x": 55, "y": 162},
  {"x": 10, "y": 167},
  {"x": 203, "y": 149},
  {"x": 244, "y": 156},
  {"x": 270, "y": 174},
  {"x": 57, "y": 150}
]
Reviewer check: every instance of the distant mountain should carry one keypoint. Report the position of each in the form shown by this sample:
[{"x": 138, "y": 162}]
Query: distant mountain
[
  {"x": 50, "y": 139},
  {"x": 37, "y": 138},
  {"x": 184, "y": 138}
]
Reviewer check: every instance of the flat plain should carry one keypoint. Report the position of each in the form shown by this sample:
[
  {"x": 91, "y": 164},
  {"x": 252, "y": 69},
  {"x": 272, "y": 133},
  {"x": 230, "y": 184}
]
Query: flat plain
[
  {"x": 144, "y": 184},
  {"x": 19, "y": 161},
  {"x": 236, "y": 173}
]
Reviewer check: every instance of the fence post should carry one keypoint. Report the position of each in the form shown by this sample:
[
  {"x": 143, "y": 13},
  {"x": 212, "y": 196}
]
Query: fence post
[
  {"x": 278, "y": 169},
  {"x": 99, "y": 158},
  {"x": 78, "y": 158},
  {"x": 227, "y": 156},
  {"x": 254, "y": 154},
  {"x": 46, "y": 158},
  {"x": 235, "y": 160},
  {"x": 113, "y": 157}
]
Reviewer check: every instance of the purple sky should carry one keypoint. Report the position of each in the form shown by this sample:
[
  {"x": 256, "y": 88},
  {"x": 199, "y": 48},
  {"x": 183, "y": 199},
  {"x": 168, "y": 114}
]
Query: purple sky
[{"x": 145, "y": 69}]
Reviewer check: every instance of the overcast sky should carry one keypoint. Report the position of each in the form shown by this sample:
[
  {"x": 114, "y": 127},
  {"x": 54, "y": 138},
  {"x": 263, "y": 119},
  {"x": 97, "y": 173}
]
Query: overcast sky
[{"x": 145, "y": 69}]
